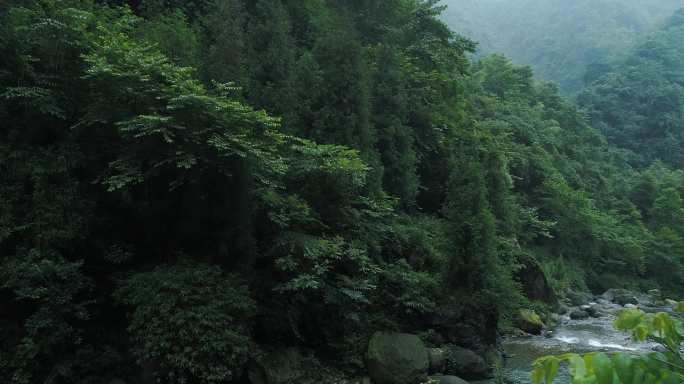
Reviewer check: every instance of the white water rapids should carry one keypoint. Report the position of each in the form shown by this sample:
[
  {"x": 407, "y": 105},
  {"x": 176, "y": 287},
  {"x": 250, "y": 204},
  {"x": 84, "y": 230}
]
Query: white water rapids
[{"x": 570, "y": 336}]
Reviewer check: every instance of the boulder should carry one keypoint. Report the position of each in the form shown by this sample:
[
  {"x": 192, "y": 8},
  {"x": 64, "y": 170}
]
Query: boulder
[
  {"x": 473, "y": 325},
  {"x": 442, "y": 379},
  {"x": 671, "y": 303},
  {"x": 494, "y": 356},
  {"x": 621, "y": 296},
  {"x": 578, "y": 314},
  {"x": 529, "y": 321},
  {"x": 396, "y": 358},
  {"x": 466, "y": 363},
  {"x": 278, "y": 367},
  {"x": 534, "y": 283},
  {"x": 437, "y": 358},
  {"x": 553, "y": 319},
  {"x": 579, "y": 298},
  {"x": 625, "y": 299},
  {"x": 594, "y": 311}
]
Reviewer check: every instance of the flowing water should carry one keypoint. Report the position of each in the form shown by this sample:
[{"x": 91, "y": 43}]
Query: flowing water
[{"x": 570, "y": 336}]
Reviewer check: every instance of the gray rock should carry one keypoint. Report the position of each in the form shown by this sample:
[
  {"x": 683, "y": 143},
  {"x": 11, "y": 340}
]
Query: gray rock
[
  {"x": 579, "y": 298},
  {"x": 441, "y": 379},
  {"x": 625, "y": 299},
  {"x": 593, "y": 311},
  {"x": 578, "y": 314},
  {"x": 397, "y": 358},
  {"x": 466, "y": 363},
  {"x": 437, "y": 358},
  {"x": 621, "y": 296},
  {"x": 554, "y": 319},
  {"x": 630, "y": 306}
]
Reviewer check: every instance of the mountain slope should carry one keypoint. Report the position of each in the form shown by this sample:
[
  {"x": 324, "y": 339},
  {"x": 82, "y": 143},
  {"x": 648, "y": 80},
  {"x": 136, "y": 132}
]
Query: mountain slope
[{"x": 560, "y": 39}]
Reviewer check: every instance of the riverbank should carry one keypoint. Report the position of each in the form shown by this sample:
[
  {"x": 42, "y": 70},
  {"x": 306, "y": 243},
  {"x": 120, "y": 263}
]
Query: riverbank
[{"x": 584, "y": 324}]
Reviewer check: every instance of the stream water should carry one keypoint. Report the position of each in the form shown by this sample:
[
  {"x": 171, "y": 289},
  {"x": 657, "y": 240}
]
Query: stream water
[{"x": 575, "y": 336}]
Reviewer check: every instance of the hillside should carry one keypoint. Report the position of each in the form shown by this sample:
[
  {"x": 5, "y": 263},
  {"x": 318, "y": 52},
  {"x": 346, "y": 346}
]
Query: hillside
[
  {"x": 564, "y": 41},
  {"x": 278, "y": 191}
]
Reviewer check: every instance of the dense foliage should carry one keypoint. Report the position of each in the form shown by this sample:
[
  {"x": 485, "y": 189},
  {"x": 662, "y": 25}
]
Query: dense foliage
[{"x": 186, "y": 185}]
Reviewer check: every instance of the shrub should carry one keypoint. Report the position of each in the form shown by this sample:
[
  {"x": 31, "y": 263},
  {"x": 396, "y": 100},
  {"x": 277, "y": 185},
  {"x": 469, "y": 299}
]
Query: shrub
[{"x": 190, "y": 321}]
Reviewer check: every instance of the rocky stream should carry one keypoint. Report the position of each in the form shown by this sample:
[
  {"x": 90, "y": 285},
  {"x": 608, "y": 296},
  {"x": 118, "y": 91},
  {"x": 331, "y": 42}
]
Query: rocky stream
[{"x": 586, "y": 327}]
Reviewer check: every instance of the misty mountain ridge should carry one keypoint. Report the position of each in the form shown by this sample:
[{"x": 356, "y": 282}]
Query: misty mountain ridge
[{"x": 560, "y": 39}]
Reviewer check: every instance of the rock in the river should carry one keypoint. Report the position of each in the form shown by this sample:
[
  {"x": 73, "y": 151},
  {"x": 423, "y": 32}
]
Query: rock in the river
[
  {"x": 621, "y": 296},
  {"x": 466, "y": 363},
  {"x": 437, "y": 358},
  {"x": 626, "y": 299},
  {"x": 279, "y": 367},
  {"x": 594, "y": 311},
  {"x": 397, "y": 358},
  {"x": 552, "y": 319},
  {"x": 529, "y": 322},
  {"x": 630, "y": 306},
  {"x": 441, "y": 379},
  {"x": 579, "y": 298},
  {"x": 534, "y": 283},
  {"x": 671, "y": 303},
  {"x": 579, "y": 314}
]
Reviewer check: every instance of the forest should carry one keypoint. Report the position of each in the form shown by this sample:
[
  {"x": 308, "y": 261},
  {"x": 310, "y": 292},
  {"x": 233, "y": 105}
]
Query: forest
[
  {"x": 252, "y": 191},
  {"x": 567, "y": 42}
]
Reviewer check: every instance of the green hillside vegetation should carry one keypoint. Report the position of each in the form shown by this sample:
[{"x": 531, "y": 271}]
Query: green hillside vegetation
[
  {"x": 186, "y": 185},
  {"x": 567, "y": 42},
  {"x": 639, "y": 105}
]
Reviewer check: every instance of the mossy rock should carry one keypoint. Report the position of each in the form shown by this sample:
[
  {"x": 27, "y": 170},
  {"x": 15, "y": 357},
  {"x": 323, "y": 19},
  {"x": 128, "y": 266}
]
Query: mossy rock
[
  {"x": 466, "y": 363},
  {"x": 529, "y": 321},
  {"x": 397, "y": 358}
]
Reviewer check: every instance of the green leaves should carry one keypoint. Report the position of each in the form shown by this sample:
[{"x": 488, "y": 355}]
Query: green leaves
[{"x": 191, "y": 318}]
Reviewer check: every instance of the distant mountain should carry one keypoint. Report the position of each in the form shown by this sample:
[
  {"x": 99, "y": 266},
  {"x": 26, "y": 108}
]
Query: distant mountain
[
  {"x": 639, "y": 104},
  {"x": 562, "y": 40}
]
